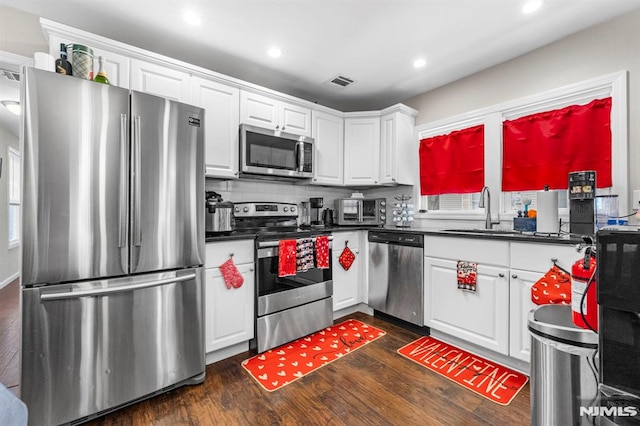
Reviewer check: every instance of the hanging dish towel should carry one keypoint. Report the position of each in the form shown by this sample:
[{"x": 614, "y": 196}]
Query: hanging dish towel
[
  {"x": 286, "y": 258},
  {"x": 347, "y": 257},
  {"x": 304, "y": 256},
  {"x": 467, "y": 275},
  {"x": 553, "y": 287},
  {"x": 322, "y": 252},
  {"x": 232, "y": 277}
]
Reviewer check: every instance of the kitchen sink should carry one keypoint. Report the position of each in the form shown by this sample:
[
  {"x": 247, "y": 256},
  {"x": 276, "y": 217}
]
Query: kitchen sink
[{"x": 486, "y": 231}]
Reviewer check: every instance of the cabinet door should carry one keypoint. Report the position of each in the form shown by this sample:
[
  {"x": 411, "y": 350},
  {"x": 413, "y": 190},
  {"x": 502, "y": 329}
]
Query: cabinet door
[
  {"x": 328, "y": 160},
  {"x": 222, "y": 120},
  {"x": 295, "y": 119},
  {"x": 161, "y": 81},
  {"x": 346, "y": 284},
  {"x": 258, "y": 110},
  {"x": 229, "y": 313},
  {"x": 398, "y": 151},
  {"x": 116, "y": 66},
  {"x": 361, "y": 151},
  {"x": 519, "y": 306},
  {"x": 388, "y": 130},
  {"x": 480, "y": 317}
]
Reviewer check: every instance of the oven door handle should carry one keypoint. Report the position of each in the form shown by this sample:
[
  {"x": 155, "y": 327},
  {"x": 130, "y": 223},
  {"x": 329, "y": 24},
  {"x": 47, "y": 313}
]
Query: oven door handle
[{"x": 266, "y": 244}]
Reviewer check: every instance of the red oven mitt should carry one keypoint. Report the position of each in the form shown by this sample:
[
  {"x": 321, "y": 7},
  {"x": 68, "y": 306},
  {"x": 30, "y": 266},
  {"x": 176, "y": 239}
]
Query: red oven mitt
[
  {"x": 346, "y": 258},
  {"x": 553, "y": 287},
  {"x": 230, "y": 274}
]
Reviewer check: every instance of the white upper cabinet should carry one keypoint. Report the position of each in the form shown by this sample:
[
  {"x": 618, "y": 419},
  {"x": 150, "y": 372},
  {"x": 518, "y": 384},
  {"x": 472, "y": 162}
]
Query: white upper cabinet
[
  {"x": 270, "y": 113},
  {"x": 222, "y": 119},
  {"x": 159, "y": 80},
  {"x": 361, "y": 151},
  {"x": 116, "y": 66},
  {"x": 398, "y": 149},
  {"x": 328, "y": 160}
]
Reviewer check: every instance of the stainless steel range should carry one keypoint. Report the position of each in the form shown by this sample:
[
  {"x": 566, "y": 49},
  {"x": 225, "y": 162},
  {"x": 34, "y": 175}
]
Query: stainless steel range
[{"x": 287, "y": 307}]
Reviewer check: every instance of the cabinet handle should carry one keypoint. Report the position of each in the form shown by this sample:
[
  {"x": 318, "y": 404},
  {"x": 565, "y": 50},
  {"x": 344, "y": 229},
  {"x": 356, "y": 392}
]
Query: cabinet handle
[
  {"x": 283, "y": 128},
  {"x": 277, "y": 126},
  {"x": 251, "y": 269},
  {"x": 514, "y": 276},
  {"x": 375, "y": 181},
  {"x": 501, "y": 275}
]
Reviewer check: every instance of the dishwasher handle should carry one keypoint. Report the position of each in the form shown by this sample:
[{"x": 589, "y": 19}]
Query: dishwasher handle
[{"x": 397, "y": 238}]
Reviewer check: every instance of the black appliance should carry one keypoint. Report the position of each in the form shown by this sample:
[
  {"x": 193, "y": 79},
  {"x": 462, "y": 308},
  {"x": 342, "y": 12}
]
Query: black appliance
[
  {"x": 618, "y": 282},
  {"x": 316, "y": 206},
  {"x": 289, "y": 307},
  {"x": 582, "y": 194}
]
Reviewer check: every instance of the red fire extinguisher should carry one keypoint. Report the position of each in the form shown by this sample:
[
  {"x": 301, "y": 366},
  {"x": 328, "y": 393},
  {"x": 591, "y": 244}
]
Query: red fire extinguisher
[{"x": 584, "y": 303}]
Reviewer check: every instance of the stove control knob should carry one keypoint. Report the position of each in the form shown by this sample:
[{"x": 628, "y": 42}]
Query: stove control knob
[
  {"x": 383, "y": 203},
  {"x": 237, "y": 209},
  {"x": 383, "y": 210},
  {"x": 293, "y": 209},
  {"x": 382, "y": 217},
  {"x": 286, "y": 209},
  {"x": 246, "y": 209}
]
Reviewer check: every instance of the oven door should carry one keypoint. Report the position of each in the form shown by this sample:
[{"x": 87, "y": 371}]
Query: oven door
[
  {"x": 279, "y": 293},
  {"x": 370, "y": 211},
  {"x": 349, "y": 211}
]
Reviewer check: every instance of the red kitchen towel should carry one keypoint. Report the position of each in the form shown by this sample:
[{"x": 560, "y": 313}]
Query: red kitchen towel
[
  {"x": 232, "y": 277},
  {"x": 467, "y": 275},
  {"x": 553, "y": 287},
  {"x": 286, "y": 258},
  {"x": 346, "y": 258},
  {"x": 322, "y": 252},
  {"x": 304, "y": 255}
]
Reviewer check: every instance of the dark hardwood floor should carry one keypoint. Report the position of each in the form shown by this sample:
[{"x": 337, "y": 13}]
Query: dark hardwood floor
[
  {"x": 10, "y": 336},
  {"x": 372, "y": 386}
]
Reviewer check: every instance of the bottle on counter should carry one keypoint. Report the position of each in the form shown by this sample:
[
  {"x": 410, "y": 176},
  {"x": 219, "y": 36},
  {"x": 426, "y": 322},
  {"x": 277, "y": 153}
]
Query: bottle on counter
[
  {"x": 101, "y": 77},
  {"x": 63, "y": 66}
]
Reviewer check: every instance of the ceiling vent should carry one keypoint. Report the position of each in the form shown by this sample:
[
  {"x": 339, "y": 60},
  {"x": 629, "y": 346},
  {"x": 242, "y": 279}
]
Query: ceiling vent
[
  {"x": 10, "y": 75},
  {"x": 340, "y": 82}
]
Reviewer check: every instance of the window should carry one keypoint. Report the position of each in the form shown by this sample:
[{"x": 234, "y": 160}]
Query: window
[{"x": 14, "y": 197}]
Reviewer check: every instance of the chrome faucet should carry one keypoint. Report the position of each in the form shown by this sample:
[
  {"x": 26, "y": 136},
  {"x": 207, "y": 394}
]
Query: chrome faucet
[{"x": 488, "y": 223}]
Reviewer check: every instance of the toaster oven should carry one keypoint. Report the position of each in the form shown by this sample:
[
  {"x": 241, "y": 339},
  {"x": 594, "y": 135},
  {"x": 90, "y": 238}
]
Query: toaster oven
[{"x": 361, "y": 211}]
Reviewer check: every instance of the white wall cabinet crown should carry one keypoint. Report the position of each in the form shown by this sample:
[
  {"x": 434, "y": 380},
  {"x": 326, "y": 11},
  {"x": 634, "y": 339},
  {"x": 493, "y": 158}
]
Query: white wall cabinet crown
[
  {"x": 229, "y": 312},
  {"x": 328, "y": 161},
  {"x": 263, "y": 111},
  {"x": 222, "y": 118},
  {"x": 361, "y": 151}
]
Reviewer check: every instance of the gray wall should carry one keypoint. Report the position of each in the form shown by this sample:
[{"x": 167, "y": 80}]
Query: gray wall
[
  {"x": 9, "y": 258},
  {"x": 610, "y": 47},
  {"x": 20, "y": 32}
]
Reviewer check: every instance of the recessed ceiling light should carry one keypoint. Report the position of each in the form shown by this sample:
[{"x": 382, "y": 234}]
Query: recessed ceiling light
[
  {"x": 419, "y": 63},
  {"x": 531, "y": 6},
  {"x": 12, "y": 106},
  {"x": 191, "y": 18},
  {"x": 274, "y": 52}
]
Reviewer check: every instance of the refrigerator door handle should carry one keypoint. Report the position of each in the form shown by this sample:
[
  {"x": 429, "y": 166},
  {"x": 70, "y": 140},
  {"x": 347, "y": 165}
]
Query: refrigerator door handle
[
  {"x": 124, "y": 205},
  {"x": 107, "y": 291},
  {"x": 137, "y": 229}
]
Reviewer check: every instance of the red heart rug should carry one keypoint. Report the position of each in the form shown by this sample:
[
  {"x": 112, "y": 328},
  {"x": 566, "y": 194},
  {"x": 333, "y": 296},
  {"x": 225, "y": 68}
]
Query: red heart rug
[
  {"x": 285, "y": 364},
  {"x": 493, "y": 381}
]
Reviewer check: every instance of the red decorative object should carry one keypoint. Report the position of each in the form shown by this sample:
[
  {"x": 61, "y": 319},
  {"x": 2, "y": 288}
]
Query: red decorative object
[
  {"x": 230, "y": 274},
  {"x": 541, "y": 149},
  {"x": 553, "y": 287},
  {"x": 322, "y": 252},
  {"x": 346, "y": 258},
  {"x": 286, "y": 258},
  {"x": 453, "y": 163},
  {"x": 289, "y": 362},
  {"x": 486, "y": 378},
  {"x": 467, "y": 275}
]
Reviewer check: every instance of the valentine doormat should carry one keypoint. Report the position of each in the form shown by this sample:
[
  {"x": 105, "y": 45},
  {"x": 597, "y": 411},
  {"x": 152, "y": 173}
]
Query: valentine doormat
[
  {"x": 493, "y": 381},
  {"x": 291, "y": 361}
]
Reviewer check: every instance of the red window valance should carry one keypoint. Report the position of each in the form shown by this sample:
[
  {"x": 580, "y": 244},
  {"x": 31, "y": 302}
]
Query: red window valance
[
  {"x": 542, "y": 149},
  {"x": 453, "y": 163}
]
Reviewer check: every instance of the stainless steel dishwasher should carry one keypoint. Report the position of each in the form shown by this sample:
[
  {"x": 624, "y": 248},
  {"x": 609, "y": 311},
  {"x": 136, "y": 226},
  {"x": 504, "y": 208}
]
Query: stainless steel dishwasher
[{"x": 396, "y": 275}]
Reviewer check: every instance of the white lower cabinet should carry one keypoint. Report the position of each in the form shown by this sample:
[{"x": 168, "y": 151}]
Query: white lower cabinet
[
  {"x": 229, "y": 312},
  {"x": 480, "y": 317},
  {"x": 347, "y": 285}
]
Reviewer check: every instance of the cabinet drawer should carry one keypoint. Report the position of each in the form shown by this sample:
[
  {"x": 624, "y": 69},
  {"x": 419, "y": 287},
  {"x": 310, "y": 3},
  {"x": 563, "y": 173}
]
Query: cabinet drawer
[
  {"x": 489, "y": 252},
  {"x": 537, "y": 257},
  {"x": 339, "y": 239},
  {"x": 218, "y": 253}
]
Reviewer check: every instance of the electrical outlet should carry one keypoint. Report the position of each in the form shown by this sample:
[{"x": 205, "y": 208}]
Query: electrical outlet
[{"x": 636, "y": 200}]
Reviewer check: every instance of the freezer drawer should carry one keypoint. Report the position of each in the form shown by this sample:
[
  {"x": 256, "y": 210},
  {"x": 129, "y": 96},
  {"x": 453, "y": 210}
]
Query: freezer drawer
[{"x": 92, "y": 346}]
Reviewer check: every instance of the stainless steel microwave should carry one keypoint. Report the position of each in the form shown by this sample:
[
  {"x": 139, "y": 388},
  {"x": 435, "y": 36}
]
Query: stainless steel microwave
[
  {"x": 361, "y": 211},
  {"x": 269, "y": 152}
]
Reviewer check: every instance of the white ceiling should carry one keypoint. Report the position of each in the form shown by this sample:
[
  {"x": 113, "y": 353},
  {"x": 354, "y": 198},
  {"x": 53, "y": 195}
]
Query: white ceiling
[{"x": 373, "y": 42}]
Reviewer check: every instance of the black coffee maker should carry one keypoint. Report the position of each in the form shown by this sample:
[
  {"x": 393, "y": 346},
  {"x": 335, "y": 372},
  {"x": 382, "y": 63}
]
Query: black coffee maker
[
  {"x": 582, "y": 196},
  {"x": 315, "y": 205}
]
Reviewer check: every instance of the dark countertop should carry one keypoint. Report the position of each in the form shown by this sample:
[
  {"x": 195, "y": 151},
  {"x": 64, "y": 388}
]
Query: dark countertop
[{"x": 469, "y": 233}]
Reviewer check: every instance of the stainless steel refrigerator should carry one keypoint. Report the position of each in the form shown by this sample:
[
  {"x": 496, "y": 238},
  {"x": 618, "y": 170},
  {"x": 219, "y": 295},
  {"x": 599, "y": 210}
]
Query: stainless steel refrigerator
[{"x": 112, "y": 247}]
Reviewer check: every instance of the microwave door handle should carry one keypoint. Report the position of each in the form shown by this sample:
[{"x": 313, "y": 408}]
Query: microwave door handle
[
  {"x": 300, "y": 155},
  {"x": 360, "y": 211}
]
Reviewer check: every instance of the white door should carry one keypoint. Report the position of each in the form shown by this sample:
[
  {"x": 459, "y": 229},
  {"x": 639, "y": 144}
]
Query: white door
[
  {"x": 361, "y": 151},
  {"x": 161, "y": 81},
  {"x": 328, "y": 160}
]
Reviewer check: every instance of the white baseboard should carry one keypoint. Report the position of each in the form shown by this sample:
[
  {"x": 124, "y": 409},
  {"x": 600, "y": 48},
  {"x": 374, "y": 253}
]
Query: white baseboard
[
  {"x": 225, "y": 353},
  {"x": 360, "y": 307},
  {"x": 10, "y": 279}
]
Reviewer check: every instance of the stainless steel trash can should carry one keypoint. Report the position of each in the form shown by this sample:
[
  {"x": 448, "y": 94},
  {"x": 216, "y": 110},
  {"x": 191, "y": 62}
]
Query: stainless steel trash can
[{"x": 563, "y": 376}]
